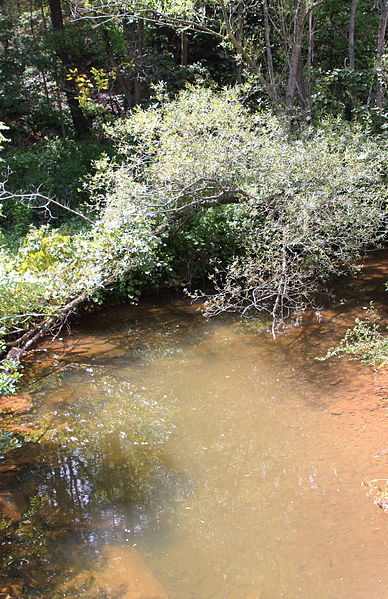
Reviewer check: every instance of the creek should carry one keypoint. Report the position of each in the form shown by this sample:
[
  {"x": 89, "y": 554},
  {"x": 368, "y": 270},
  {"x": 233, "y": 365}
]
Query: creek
[{"x": 231, "y": 461}]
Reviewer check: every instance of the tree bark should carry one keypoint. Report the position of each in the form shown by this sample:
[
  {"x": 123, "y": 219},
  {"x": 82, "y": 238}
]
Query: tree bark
[
  {"x": 352, "y": 27},
  {"x": 268, "y": 49},
  {"x": 240, "y": 38},
  {"x": 244, "y": 53},
  {"x": 310, "y": 57},
  {"x": 80, "y": 122},
  {"x": 42, "y": 69},
  {"x": 184, "y": 49},
  {"x": 122, "y": 81},
  {"x": 380, "y": 51},
  {"x": 300, "y": 83},
  {"x": 138, "y": 87},
  {"x": 299, "y": 26},
  {"x": 134, "y": 34}
]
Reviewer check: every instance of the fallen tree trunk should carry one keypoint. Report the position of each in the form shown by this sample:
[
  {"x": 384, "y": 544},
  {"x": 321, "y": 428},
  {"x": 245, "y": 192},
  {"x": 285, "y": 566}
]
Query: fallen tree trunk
[{"x": 19, "y": 346}]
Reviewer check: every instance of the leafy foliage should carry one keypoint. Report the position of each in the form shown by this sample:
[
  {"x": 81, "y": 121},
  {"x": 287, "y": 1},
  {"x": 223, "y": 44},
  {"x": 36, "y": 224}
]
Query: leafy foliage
[
  {"x": 2, "y": 136},
  {"x": 366, "y": 342},
  {"x": 28, "y": 536},
  {"x": 9, "y": 376},
  {"x": 307, "y": 206},
  {"x": 8, "y": 441}
]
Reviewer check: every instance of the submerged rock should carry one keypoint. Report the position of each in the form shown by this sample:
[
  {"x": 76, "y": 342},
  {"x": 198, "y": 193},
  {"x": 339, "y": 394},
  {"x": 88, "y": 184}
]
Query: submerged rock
[
  {"x": 12, "y": 506},
  {"x": 11, "y": 588},
  {"x": 22, "y": 429},
  {"x": 8, "y": 473},
  {"x": 127, "y": 576},
  {"x": 16, "y": 404},
  {"x": 254, "y": 594},
  {"x": 383, "y": 503},
  {"x": 123, "y": 575}
]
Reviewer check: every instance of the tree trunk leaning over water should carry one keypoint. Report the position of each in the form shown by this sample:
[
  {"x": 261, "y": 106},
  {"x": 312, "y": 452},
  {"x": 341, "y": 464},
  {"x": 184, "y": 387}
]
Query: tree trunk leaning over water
[{"x": 29, "y": 337}]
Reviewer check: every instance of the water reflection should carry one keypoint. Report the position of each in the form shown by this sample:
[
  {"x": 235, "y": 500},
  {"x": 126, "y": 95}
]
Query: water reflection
[
  {"x": 104, "y": 459},
  {"x": 209, "y": 447}
]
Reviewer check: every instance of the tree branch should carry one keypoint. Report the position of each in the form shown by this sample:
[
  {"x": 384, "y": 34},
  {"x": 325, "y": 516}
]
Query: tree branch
[{"x": 30, "y": 198}]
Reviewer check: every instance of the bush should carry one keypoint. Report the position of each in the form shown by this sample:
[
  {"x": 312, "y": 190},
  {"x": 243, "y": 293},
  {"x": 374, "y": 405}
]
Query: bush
[
  {"x": 366, "y": 342},
  {"x": 307, "y": 206}
]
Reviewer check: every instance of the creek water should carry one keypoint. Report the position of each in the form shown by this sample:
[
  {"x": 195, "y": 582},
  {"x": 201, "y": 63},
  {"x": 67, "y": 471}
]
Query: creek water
[{"x": 233, "y": 462}]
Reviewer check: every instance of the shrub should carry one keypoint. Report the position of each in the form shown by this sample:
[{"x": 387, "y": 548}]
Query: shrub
[
  {"x": 307, "y": 206},
  {"x": 366, "y": 342}
]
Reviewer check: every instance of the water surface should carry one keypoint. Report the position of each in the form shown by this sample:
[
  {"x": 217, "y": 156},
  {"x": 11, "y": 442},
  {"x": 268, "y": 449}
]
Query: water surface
[{"x": 213, "y": 449}]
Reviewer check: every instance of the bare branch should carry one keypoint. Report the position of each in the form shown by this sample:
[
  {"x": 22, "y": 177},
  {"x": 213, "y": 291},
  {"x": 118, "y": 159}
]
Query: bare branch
[{"x": 34, "y": 198}]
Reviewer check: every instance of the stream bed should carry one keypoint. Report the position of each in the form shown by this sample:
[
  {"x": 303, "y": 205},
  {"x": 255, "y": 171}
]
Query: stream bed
[{"x": 232, "y": 462}]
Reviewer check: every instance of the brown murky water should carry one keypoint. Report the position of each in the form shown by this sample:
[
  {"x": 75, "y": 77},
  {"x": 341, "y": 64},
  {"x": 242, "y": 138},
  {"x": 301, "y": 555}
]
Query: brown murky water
[{"x": 233, "y": 462}]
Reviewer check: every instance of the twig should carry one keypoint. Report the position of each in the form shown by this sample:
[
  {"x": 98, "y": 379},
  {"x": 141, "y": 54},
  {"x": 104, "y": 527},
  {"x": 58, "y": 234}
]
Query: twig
[{"x": 32, "y": 197}]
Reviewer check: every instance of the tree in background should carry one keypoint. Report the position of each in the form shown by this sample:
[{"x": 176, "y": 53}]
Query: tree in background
[
  {"x": 66, "y": 65},
  {"x": 80, "y": 122},
  {"x": 383, "y": 5}
]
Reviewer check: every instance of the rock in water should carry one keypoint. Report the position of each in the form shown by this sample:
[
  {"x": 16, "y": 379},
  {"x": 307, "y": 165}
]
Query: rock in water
[
  {"x": 378, "y": 489},
  {"x": 254, "y": 594},
  {"x": 11, "y": 588},
  {"x": 12, "y": 506},
  {"x": 125, "y": 575},
  {"x": 16, "y": 404},
  {"x": 8, "y": 473}
]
